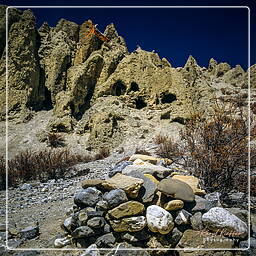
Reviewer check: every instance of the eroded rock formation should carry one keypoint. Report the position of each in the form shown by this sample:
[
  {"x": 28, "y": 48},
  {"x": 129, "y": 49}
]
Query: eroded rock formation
[{"x": 63, "y": 69}]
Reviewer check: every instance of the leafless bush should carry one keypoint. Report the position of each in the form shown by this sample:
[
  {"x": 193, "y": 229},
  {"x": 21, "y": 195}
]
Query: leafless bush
[
  {"x": 41, "y": 165},
  {"x": 159, "y": 139},
  {"x": 218, "y": 147},
  {"x": 103, "y": 153},
  {"x": 215, "y": 148},
  {"x": 167, "y": 148},
  {"x": 55, "y": 140}
]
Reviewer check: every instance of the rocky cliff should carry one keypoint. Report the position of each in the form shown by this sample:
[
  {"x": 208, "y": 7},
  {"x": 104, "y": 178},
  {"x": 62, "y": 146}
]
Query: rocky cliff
[
  {"x": 98, "y": 95},
  {"x": 94, "y": 86}
]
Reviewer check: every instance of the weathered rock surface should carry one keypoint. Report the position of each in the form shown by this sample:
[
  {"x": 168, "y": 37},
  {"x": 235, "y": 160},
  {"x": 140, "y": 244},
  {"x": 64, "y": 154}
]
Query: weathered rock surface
[
  {"x": 174, "y": 205},
  {"x": 86, "y": 44},
  {"x": 130, "y": 185},
  {"x": 115, "y": 197},
  {"x": 176, "y": 189},
  {"x": 219, "y": 219},
  {"x": 159, "y": 220},
  {"x": 23, "y": 67},
  {"x": 183, "y": 217},
  {"x": 196, "y": 221},
  {"x": 88, "y": 197},
  {"x": 145, "y": 158},
  {"x": 192, "y": 181},
  {"x": 147, "y": 168},
  {"x": 127, "y": 209},
  {"x": 148, "y": 189},
  {"x": 136, "y": 237},
  {"x": 56, "y": 53},
  {"x": 201, "y": 204},
  {"x": 83, "y": 231},
  {"x": 198, "y": 239},
  {"x": 131, "y": 224},
  {"x": 107, "y": 240},
  {"x": 96, "y": 222},
  {"x": 91, "y": 183}
]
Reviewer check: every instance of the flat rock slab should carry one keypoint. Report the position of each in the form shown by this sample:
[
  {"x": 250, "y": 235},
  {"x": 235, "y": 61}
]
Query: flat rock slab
[
  {"x": 91, "y": 183},
  {"x": 147, "y": 168},
  {"x": 218, "y": 219},
  {"x": 127, "y": 209},
  {"x": 198, "y": 239},
  {"x": 176, "y": 189},
  {"x": 131, "y": 224},
  {"x": 192, "y": 181},
  {"x": 130, "y": 185},
  {"x": 146, "y": 158},
  {"x": 30, "y": 232}
]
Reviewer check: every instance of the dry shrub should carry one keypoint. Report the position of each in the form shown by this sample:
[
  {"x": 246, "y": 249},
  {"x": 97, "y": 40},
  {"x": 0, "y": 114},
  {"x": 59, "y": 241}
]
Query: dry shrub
[
  {"x": 215, "y": 149},
  {"x": 55, "y": 140},
  {"x": 41, "y": 165},
  {"x": 103, "y": 153},
  {"x": 218, "y": 147},
  {"x": 159, "y": 139},
  {"x": 142, "y": 152},
  {"x": 167, "y": 148}
]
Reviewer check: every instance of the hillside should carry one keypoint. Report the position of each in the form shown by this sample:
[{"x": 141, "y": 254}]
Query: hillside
[{"x": 106, "y": 107}]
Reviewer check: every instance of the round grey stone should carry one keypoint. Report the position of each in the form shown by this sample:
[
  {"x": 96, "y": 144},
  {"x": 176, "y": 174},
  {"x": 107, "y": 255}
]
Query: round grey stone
[
  {"x": 83, "y": 231},
  {"x": 88, "y": 197},
  {"x": 115, "y": 197}
]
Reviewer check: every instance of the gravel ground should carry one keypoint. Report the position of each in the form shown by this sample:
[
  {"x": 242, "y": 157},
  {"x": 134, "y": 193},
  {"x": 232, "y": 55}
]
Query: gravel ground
[{"x": 47, "y": 203}]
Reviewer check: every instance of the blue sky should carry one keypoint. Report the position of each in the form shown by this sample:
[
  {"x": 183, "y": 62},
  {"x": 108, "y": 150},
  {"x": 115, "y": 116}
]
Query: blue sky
[{"x": 174, "y": 33}]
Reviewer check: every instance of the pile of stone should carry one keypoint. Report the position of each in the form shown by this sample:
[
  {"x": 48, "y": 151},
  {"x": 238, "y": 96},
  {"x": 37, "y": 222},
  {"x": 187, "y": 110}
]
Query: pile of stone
[{"x": 147, "y": 205}]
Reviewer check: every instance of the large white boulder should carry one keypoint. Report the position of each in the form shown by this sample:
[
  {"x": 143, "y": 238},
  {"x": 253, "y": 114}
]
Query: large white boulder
[
  {"x": 159, "y": 220},
  {"x": 220, "y": 220}
]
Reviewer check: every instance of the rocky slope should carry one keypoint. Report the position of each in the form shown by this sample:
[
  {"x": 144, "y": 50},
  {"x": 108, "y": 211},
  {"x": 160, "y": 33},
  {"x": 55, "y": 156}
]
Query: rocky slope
[{"x": 97, "y": 94}]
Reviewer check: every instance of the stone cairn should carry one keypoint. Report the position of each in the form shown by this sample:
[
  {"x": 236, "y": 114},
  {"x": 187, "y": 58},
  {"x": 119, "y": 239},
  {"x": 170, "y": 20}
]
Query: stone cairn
[{"x": 144, "y": 204}]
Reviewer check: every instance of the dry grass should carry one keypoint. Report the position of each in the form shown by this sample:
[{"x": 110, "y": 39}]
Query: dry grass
[
  {"x": 167, "y": 148},
  {"x": 41, "y": 165},
  {"x": 159, "y": 139}
]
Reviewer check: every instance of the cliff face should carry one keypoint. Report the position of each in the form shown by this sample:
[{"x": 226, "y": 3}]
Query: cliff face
[{"x": 62, "y": 69}]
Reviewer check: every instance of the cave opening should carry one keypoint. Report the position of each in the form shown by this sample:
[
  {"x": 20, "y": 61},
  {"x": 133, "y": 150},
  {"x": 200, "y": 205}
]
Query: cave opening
[
  {"x": 168, "y": 98},
  {"x": 134, "y": 87},
  {"x": 47, "y": 103},
  {"x": 220, "y": 73},
  {"x": 118, "y": 88},
  {"x": 179, "y": 120},
  {"x": 140, "y": 103}
]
